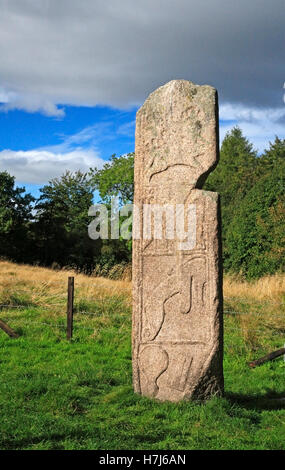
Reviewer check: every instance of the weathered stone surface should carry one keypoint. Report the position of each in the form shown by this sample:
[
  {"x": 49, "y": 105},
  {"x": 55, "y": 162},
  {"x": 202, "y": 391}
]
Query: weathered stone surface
[{"x": 177, "y": 293}]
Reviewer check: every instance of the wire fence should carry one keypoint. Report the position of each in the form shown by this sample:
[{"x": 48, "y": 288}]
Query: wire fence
[
  {"x": 250, "y": 299},
  {"x": 74, "y": 310}
]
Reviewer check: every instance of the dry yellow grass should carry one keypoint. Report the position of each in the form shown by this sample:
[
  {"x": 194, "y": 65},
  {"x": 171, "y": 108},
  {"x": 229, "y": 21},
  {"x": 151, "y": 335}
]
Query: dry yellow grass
[
  {"x": 42, "y": 281},
  {"x": 267, "y": 288},
  {"x": 42, "y": 286},
  {"x": 255, "y": 309}
]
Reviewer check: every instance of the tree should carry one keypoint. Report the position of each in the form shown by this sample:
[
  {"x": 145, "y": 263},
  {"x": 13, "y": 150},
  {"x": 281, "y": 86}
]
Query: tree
[
  {"x": 233, "y": 177},
  {"x": 115, "y": 179},
  {"x": 236, "y": 171},
  {"x": 273, "y": 158},
  {"x": 255, "y": 236},
  {"x": 15, "y": 218},
  {"x": 61, "y": 229}
]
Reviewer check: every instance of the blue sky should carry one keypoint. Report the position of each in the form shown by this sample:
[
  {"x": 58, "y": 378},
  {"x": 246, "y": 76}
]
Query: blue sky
[
  {"x": 84, "y": 137},
  {"x": 73, "y": 74},
  {"x": 23, "y": 131},
  {"x": 36, "y": 148}
]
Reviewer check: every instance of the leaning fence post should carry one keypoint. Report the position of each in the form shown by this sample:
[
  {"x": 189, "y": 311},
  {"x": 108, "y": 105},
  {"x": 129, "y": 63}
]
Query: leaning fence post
[
  {"x": 268, "y": 357},
  {"x": 70, "y": 299},
  {"x": 8, "y": 330}
]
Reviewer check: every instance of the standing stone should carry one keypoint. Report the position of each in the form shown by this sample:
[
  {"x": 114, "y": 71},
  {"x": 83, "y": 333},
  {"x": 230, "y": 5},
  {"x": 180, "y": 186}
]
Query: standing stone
[{"x": 177, "y": 289}]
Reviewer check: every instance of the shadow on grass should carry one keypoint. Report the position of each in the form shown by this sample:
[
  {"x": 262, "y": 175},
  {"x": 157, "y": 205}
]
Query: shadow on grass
[
  {"x": 54, "y": 440},
  {"x": 269, "y": 401}
]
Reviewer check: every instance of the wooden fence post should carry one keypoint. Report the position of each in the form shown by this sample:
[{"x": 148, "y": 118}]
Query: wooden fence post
[
  {"x": 70, "y": 300},
  {"x": 268, "y": 357},
  {"x": 8, "y": 330}
]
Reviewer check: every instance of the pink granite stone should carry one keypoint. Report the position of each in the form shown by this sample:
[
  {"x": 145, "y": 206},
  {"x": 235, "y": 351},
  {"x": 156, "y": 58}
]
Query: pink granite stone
[{"x": 177, "y": 289}]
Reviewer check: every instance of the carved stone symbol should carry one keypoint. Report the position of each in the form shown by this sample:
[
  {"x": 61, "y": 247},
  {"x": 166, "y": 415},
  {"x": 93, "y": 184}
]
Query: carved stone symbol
[
  {"x": 169, "y": 317},
  {"x": 182, "y": 368},
  {"x": 153, "y": 361}
]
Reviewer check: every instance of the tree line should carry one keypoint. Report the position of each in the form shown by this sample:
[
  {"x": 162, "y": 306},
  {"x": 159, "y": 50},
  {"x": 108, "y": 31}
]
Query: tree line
[{"x": 52, "y": 229}]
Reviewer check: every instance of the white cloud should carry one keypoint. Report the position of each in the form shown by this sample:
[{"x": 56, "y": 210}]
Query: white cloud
[
  {"x": 90, "y": 52},
  {"x": 30, "y": 103},
  {"x": 5, "y": 96},
  {"x": 115, "y": 53},
  {"x": 127, "y": 129},
  {"x": 79, "y": 151},
  {"x": 243, "y": 113},
  {"x": 94, "y": 135},
  {"x": 39, "y": 166},
  {"x": 259, "y": 125}
]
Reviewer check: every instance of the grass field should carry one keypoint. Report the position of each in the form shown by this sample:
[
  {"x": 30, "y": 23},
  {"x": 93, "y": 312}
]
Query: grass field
[{"x": 56, "y": 394}]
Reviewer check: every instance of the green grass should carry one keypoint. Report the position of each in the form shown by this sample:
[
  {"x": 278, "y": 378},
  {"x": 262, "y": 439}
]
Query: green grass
[{"x": 56, "y": 394}]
